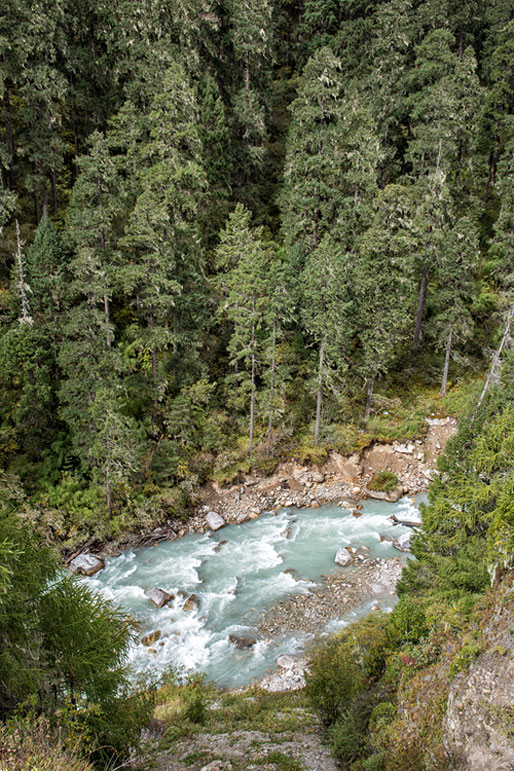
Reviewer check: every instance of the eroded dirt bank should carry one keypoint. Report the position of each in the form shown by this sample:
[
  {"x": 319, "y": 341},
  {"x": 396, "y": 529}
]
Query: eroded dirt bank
[{"x": 340, "y": 479}]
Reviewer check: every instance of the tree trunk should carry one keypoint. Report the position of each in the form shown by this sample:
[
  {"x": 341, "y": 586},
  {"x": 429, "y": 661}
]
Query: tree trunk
[
  {"x": 252, "y": 398},
  {"x": 272, "y": 390},
  {"x": 247, "y": 71},
  {"x": 107, "y": 320},
  {"x": 108, "y": 495},
  {"x": 9, "y": 141},
  {"x": 318, "y": 401},
  {"x": 447, "y": 362},
  {"x": 419, "y": 316},
  {"x": 44, "y": 197},
  {"x": 369, "y": 398},
  {"x": 25, "y": 316},
  {"x": 489, "y": 178},
  {"x": 36, "y": 197},
  {"x": 53, "y": 183},
  {"x": 151, "y": 323},
  {"x": 494, "y": 364}
]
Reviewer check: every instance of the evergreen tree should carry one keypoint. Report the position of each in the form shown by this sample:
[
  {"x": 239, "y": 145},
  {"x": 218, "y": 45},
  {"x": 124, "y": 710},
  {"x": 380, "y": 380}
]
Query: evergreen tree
[
  {"x": 87, "y": 356},
  {"x": 163, "y": 274},
  {"x": 326, "y": 286},
  {"x": 308, "y": 200},
  {"x": 384, "y": 284},
  {"x": 244, "y": 258}
]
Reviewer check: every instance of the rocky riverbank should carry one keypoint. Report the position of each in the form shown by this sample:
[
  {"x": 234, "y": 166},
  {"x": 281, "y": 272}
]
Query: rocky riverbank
[
  {"x": 341, "y": 479},
  {"x": 336, "y": 595}
]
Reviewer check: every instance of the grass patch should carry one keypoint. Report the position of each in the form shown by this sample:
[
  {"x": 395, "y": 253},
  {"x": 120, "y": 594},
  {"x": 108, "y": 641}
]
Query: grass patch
[
  {"x": 279, "y": 760},
  {"x": 194, "y": 706}
]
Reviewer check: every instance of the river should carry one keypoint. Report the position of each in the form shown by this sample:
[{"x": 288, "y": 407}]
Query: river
[{"x": 262, "y": 562}]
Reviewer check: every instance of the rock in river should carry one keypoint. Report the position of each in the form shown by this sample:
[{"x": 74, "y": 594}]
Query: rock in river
[
  {"x": 343, "y": 557},
  {"x": 159, "y": 597},
  {"x": 87, "y": 564},
  {"x": 241, "y": 642},
  {"x": 214, "y": 520},
  {"x": 403, "y": 542},
  {"x": 150, "y": 638}
]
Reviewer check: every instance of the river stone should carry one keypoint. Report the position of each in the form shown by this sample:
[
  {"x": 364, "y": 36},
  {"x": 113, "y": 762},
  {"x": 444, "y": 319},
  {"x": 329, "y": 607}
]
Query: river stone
[
  {"x": 191, "y": 603},
  {"x": 242, "y": 643},
  {"x": 214, "y": 520},
  {"x": 318, "y": 477},
  {"x": 87, "y": 564},
  {"x": 403, "y": 542},
  {"x": 343, "y": 557},
  {"x": 220, "y": 545},
  {"x": 151, "y": 638},
  {"x": 288, "y": 661},
  {"x": 159, "y": 597},
  {"x": 217, "y": 765}
]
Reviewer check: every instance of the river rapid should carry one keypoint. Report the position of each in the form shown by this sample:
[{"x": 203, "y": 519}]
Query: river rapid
[{"x": 222, "y": 582}]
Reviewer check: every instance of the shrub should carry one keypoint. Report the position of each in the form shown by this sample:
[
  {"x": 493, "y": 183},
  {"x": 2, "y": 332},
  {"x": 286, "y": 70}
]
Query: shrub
[
  {"x": 334, "y": 678},
  {"x": 408, "y": 621},
  {"x": 384, "y": 481},
  {"x": 29, "y": 745}
]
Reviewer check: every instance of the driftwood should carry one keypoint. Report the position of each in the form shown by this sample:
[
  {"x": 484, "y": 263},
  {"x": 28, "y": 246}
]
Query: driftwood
[
  {"x": 152, "y": 539},
  {"x": 404, "y": 522},
  {"x": 87, "y": 545}
]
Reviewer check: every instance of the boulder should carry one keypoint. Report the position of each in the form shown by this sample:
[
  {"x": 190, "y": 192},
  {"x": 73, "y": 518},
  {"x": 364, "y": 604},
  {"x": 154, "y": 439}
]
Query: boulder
[
  {"x": 87, "y": 564},
  {"x": 289, "y": 661},
  {"x": 214, "y": 520},
  {"x": 317, "y": 477},
  {"x": 403, "y": 542},
  {"x": 191, "y": 603},
  {"x": 243, "y": 643},
  {"x": 159, "y": 597},
  {"x": 219, "y": 545},
  {"x": 217, "y": 765},
  {"x": 151, "y": 637},
  {"x": 345, "y": 468},
  {"x": 343, "y": 557}
]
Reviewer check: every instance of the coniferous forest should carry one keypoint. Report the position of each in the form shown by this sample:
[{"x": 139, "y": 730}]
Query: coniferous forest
[{"x": 233, "y": 232}]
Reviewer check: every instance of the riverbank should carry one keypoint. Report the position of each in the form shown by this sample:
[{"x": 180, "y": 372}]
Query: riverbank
[{"x": 342, "y": 479}]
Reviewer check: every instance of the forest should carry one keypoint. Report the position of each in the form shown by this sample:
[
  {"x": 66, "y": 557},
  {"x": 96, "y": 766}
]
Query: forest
[{"x": 232, "y": 232}]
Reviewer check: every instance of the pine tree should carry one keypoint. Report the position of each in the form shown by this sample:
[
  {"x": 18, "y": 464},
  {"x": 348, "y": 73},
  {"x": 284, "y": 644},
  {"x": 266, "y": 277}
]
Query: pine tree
[
  {"x": 163, "y": 274},
  {"x": 244, "y": 259},
  {"x": 445, "y": 97},
  {"x": 88, "y": 356},
  {"x": 308, "y": 203},
  {"x": 327, "y": 290},
  {"x": 385, "y": 284}
]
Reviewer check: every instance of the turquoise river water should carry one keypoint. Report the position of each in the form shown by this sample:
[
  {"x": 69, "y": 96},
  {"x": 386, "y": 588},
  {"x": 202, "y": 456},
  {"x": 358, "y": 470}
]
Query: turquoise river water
[{"x": 235, "y": 582}]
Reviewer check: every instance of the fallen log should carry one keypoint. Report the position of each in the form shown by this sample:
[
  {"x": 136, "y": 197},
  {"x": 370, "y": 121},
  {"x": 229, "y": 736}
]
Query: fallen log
[{"x": 404, "y": 522}]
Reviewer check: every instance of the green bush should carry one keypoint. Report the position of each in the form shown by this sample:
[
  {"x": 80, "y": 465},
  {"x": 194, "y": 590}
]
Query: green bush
[
  {"x": 333, "y": 679},
  {"x": 348, "y": 736},
  {"x": 408, "y": 621},
  {"x": 384, "y": 481}
]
